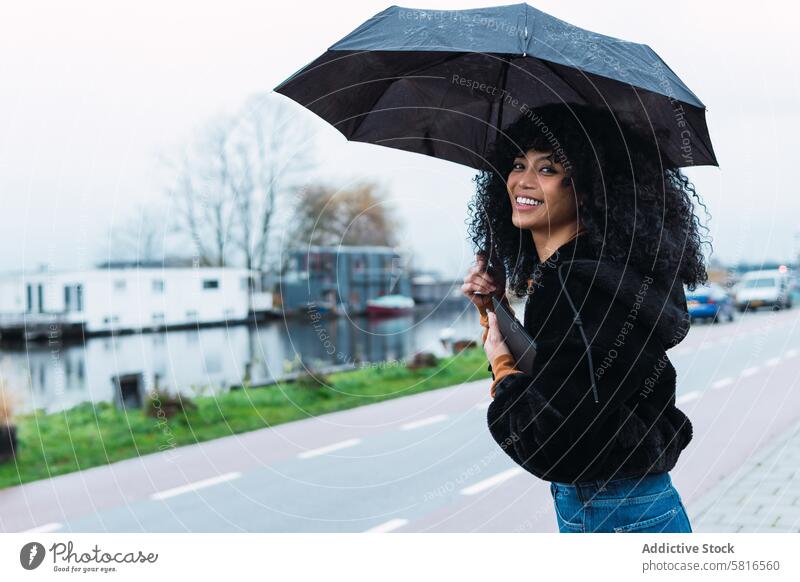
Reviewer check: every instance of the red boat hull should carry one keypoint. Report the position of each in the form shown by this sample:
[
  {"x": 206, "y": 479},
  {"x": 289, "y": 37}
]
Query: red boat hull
[{"x": 383, "y": 311}]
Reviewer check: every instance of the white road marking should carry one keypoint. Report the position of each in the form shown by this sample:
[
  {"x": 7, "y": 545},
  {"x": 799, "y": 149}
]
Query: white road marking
[
  {"x": 688, "y": 397},
  {"x": 483, "y": 405},
  {"x": 492, "y": 481},
  {"x": 189, "y": 487},
  {"x": 706, "y": 345},
  {"x": 327, "y": 449},
  {"x": 390, "y": 525},
  {"x": 750, "y": 371},
  {"x": 46, "y": 528},
  {"x": 791, "y": 353},
  {"x": 773, "y": 361},
  {"x": 424, "y": 422},
  {"x": 722, "y": 383}
]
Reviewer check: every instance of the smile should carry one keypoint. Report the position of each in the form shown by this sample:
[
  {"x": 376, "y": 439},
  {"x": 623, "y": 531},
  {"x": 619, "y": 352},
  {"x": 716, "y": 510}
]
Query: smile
[{"x": 524, "y": 203}]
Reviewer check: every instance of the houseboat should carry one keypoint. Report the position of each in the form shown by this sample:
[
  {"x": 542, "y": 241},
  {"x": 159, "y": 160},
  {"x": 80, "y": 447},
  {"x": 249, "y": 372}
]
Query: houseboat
[{"x": 125, "y": 298}]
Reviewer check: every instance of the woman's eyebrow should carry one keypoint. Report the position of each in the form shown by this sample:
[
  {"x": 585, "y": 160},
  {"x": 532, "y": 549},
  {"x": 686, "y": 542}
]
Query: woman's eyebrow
[{"x": 537, "y": 158}]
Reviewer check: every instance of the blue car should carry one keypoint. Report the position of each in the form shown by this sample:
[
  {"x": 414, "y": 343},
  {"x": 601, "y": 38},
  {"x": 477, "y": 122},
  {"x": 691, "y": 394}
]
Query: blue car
[{"x": 709, "y": 302}]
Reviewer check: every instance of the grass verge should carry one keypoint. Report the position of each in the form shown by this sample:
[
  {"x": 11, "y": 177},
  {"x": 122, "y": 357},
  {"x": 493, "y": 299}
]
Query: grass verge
[{"x": 89, "y": 435}]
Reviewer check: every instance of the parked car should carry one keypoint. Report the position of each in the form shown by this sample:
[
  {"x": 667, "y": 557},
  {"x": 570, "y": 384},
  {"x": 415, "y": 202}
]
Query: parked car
[
  {"x": 767, "y": 288},
  {"x": 709, "y": 302}
]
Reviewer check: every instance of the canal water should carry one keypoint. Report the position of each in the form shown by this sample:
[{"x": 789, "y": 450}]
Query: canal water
[{"x": 210, "y": 360}]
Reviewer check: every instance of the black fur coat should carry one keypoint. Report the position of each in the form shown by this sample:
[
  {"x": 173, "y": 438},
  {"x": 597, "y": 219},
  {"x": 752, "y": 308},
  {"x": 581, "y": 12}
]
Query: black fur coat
[{"x": 606, "y": 412}]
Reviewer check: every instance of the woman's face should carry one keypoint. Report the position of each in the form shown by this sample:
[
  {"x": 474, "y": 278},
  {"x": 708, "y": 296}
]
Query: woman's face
[{"x": 537, "y": 179}]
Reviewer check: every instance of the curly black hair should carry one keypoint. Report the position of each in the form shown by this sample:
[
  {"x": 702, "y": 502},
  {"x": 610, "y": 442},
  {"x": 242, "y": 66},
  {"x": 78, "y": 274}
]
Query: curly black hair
[{"x": 632, "y": 205}]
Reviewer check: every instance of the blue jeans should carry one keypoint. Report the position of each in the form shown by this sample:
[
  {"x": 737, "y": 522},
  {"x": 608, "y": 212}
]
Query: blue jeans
[{"x": 639, "y": 504}]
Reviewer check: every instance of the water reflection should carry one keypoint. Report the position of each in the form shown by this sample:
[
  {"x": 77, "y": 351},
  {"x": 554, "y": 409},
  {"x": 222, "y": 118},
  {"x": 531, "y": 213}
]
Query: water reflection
[{"x": 211, "y": 359}]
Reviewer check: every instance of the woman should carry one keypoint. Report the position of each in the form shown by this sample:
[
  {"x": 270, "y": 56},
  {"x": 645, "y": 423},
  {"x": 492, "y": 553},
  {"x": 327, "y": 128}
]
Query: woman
[{"x": 585, "y": 220}]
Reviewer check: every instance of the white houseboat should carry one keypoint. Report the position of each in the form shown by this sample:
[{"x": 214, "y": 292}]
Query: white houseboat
[{"x": 111, "y": 300}]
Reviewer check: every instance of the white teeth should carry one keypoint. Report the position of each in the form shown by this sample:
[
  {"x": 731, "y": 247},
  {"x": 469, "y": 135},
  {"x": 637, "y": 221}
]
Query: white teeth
[{"x": 529, "y": 201}]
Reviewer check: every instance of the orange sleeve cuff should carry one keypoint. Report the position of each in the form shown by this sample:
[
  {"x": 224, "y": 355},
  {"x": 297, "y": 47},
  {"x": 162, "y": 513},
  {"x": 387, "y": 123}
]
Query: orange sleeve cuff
[
  {"x": 484, "y": 316},
  {"x": 502, "y": 366}
]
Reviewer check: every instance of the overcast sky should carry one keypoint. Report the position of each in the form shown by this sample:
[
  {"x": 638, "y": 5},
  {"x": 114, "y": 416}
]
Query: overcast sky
[{"x": 92, "y": 94}]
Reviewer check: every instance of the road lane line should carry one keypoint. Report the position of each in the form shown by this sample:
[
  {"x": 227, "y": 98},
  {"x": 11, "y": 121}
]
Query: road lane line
[
  {"x": 492, "y": 481},
  {"x": 483, "y": 405},
  {"x": 749, "y": 371},
  {"x": 189, "y": 487},
  {"x": 390, "y": 525},
  {"x": 791, "y": 353},
  {"x": 722, "y": 383},
  {"x": 327, "y": 449},
  {"x": 773, "y": 361},
  {"x": 424, "y": 422},
  {"x": 688, "y": 397},
  {"x": 46, "y": 528}
]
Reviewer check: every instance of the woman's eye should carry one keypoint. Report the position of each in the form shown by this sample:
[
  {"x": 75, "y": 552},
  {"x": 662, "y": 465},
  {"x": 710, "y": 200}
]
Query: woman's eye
[
  {"x": 548, "y": 170},
  {"x": 518, "y": 166}
]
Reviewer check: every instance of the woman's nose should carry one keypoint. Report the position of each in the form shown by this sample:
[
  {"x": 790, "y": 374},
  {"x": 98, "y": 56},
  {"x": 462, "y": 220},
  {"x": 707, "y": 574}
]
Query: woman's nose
[{"x": 528, "y": 181}]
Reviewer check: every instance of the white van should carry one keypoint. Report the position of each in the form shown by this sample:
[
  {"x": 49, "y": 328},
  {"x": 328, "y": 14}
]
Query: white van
[{"x": 767, "y": 288}]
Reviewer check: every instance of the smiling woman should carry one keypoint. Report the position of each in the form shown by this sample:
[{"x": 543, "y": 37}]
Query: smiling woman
[
  {"x": 541, "y": 199},
  {"x": 626, "y": 197},
  {"x": 583, "y": 218}
]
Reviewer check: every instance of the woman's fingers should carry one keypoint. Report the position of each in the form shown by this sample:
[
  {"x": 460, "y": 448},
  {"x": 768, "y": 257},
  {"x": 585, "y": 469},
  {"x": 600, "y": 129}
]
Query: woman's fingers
[
  {"x": 494, "y": 344},
  {"x": 480, "y": 267},
  {"x": 469, "y": 290},
  {"x": 493, "y": 331},
  {"x": 479, "y": 271},
  {"x": 483, "y": 287},
  {"x": 485, "y": 280},
  {"x": 492, "y": 337},
  {"x": 480, "y": 279}
]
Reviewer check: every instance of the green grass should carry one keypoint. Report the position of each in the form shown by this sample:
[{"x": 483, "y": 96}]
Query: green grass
[{"x": 89, "y": 435}]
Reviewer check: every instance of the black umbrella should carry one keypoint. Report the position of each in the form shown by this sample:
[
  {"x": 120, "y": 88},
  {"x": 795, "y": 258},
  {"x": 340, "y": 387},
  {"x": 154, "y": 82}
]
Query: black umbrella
[{"x": 441, "y": 82}]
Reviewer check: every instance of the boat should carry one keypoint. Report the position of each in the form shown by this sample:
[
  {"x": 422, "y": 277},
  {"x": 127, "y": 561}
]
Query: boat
[{"x": 390, "y": 305}]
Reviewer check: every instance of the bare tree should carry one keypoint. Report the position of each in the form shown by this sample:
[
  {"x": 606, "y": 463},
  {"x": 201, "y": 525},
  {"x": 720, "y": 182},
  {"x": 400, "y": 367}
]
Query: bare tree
[
  {"x": 227, "y": 189},
  {"x": 202, "y": 197},
  {"x": 273, "y": 153}
]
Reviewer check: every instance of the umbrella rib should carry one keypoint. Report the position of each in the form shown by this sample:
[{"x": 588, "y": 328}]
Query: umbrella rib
[
  {"x": 549, "y": 66},
  {"x": 501, "y": 83},
  {"x": 408, "y": 75}
]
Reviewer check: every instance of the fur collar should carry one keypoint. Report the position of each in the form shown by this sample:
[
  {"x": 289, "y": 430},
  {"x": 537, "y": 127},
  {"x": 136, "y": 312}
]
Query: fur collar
[{"x": 661, "y": 304}]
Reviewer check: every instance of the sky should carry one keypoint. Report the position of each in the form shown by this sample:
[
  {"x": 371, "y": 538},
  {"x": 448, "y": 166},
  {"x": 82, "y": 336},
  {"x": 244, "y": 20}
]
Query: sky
[{"x": 94, "y": 95}]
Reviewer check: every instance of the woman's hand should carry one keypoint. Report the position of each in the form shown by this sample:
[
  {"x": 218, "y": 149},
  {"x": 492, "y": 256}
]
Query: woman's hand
[
  {"x": 494, "y": 344},
  {"x": 478, "y": 279}
]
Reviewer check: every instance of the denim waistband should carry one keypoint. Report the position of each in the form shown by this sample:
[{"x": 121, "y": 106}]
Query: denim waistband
[{"x": 627, "y": 487}]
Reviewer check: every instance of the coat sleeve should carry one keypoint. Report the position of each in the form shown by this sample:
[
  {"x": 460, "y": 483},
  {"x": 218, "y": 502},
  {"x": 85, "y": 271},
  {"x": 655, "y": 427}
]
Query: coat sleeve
[{"x": 541, "y": 418}]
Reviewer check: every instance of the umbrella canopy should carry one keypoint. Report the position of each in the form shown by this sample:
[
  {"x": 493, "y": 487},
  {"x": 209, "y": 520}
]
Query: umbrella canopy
[{"x": 443, "y": 82}]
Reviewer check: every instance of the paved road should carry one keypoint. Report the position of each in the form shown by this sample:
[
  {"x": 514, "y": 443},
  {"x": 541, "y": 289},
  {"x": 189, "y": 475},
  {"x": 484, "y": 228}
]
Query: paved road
[{"x": 421, "y": 463}]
